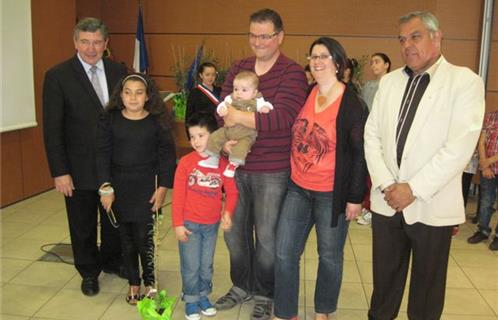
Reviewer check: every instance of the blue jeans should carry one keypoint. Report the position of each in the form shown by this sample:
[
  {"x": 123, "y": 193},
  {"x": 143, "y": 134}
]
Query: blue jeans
[
  {"x": 251, "y": 242},
  {"x": 488, "y": 198},
  {"x": 196, "y": 260},
  {"x": 300, "y": 211}
]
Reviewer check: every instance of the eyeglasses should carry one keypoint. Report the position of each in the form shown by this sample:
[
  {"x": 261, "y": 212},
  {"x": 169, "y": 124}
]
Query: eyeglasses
[
  {"x": 263, "y": 37},
  {"x": 320, "y": 57}
]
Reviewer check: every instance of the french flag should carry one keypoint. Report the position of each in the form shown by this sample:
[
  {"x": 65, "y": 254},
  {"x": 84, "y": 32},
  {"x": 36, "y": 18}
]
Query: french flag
[{"x": 140, "y": 62}]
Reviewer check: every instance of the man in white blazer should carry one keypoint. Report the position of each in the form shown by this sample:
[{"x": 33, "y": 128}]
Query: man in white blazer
[{"x": 424, "y": 125}]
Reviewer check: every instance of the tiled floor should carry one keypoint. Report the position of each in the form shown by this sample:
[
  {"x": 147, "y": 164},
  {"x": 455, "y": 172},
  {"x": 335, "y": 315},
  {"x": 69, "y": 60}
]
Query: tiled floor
[{"x": 32, "y": 289}]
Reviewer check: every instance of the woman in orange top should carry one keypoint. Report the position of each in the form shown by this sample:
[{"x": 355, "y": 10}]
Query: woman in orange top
[{"x": 327, "y": 183}]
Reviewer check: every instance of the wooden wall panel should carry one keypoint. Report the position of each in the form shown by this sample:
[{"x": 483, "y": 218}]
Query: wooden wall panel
[
  {"x": 171, "y": 25},
  {"x": 460, "y": 19},
  {"x": 11, "y": 173},
  {"x": 493, "y": 67},
  {"x": 492, "y": 83},
  {"x": 492, "y": 101},
  {"x": 300, "y": 17},
  {"x": 89, "y": 8}
]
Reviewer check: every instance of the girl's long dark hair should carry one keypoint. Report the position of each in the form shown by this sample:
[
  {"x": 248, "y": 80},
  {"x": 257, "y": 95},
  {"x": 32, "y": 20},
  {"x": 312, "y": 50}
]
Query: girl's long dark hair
[{"x": 154, "y": 105}]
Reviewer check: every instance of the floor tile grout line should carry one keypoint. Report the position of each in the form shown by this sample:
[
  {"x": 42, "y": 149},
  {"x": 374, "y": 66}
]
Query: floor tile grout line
[
  {"x": 473, "y": 285},
  {"x": 52, "y": 297}
]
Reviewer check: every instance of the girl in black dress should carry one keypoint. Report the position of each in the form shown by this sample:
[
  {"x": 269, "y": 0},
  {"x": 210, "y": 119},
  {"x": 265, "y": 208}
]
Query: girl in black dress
[
  {"x": 205, "y": 96},
  {"x": 134, "y": 146}
]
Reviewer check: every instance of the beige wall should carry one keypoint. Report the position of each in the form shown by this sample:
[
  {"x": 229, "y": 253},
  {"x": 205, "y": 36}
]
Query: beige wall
[{"x": 362, "y": 26}]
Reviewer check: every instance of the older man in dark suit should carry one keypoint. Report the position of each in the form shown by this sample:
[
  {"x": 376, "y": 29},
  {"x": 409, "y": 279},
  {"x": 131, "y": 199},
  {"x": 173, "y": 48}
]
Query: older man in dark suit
[{"x": 74, "y": 94}]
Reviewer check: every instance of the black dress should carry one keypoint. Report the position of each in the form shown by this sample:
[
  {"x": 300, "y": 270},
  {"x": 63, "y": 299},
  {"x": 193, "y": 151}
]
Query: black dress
[
  {"x": 130, "y": 153},
  {"x": 199, "y": 101}
]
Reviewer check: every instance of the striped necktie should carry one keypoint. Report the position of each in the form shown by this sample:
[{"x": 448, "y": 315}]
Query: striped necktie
[{"x": 94, "y": 79}]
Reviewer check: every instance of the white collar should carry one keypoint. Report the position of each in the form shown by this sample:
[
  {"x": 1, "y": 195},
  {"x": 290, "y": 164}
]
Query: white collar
[{"x": 86, "y": 66}]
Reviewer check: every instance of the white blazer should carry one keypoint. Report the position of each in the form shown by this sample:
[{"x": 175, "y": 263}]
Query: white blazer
[{"x": 440, "y": 142}]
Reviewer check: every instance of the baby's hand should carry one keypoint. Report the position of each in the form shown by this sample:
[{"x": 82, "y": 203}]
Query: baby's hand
[
  {"x": 222, "y": 110},
  {"x": 264, "y": 109},
  {"x": 182, "y": 233},
  {"x": 226, "y": 221}
]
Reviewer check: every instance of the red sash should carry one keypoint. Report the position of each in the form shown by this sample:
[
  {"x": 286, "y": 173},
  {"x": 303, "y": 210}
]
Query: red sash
[{"x": 209, "y": 94}]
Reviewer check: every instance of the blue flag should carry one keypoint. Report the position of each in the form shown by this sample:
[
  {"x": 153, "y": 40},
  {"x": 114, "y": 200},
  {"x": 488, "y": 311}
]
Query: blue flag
[
  {"x": 192, "y": 71},
  {"x": 140, "y": 61}
]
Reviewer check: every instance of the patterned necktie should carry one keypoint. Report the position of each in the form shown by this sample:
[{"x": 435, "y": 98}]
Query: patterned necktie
[{"x": 96, "y": 84}]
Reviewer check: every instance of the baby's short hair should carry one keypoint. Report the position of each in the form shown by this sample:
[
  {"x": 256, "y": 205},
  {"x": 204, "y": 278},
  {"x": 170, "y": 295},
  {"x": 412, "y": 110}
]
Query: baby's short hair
[{"x": 248, "y": 75}]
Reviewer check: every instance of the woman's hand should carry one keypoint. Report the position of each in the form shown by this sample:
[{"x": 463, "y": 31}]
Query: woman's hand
[
  {"x": 352, "y": 210},
  {"x": 157, "y": 198},
  {"x": 182, "y": 233},
  {"x": 107, "y": 201}
]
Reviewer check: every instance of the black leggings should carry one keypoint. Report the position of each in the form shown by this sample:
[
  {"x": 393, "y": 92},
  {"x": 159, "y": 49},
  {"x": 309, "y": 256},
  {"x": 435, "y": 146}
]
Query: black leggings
[{"x": 137, "y": 240}]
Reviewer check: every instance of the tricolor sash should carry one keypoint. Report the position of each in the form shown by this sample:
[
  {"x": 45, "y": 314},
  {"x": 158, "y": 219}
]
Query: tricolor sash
[{"x": 209, "y": 94}]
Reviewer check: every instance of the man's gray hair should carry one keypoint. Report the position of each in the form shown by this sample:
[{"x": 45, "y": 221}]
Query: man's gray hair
[
  {"x": 90, "y": 25},
  {"x": 428, "y": 19}
]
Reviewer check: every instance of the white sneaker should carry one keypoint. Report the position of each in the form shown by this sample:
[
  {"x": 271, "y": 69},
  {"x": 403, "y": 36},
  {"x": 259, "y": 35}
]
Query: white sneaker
[
  {"x": 230, "y": 170},
  {"x": 365, "y": 219}
]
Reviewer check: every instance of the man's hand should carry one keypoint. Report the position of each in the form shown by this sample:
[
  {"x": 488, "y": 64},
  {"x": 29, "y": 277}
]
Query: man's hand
[
  {"x": 227, "y": 147},
  {"x": 488, "y": 173},
  {"x": 352, "y": 210},
  {"x": 182, "y": 233},
  {"x": 157, "y": 199},
  {"x": 399, "y": 196},
  {"x": 64, "y": 184}
]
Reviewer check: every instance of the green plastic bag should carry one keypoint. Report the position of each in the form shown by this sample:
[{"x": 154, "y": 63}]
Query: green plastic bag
[
  {"x": 148, "y": 308},
  {"x": 180, "y": 106}
]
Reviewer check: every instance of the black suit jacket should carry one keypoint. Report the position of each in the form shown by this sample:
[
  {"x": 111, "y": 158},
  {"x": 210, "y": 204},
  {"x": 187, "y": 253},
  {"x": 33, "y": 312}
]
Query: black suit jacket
[{"x": 71, "y": 110}]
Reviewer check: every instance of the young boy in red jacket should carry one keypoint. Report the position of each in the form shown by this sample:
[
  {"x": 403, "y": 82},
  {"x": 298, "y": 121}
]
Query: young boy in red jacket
[{"x": 198, "y": 211}]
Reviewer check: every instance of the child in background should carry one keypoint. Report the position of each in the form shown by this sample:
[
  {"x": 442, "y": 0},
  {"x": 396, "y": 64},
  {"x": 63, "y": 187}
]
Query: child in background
[
  {"x": 205, "y": 96},
  {"x": 245, "y": 97},
  {"x": 134, "y": 146},
  {"x": 197, "y": 211}
]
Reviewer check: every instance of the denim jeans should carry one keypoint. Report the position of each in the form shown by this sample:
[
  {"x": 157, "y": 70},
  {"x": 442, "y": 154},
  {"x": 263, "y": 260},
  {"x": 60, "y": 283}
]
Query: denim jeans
[
  {"x": 300, "y": 211},
  {"x": 487, "y": 201},
  {"x": 251, "y": 242},
  {"x": 196, "y": 260}
]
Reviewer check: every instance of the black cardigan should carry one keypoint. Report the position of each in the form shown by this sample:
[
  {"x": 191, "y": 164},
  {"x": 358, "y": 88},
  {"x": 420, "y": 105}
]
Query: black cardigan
[
  {"x": 198, "y": 101},
  {"x": 350, "y": 165}
]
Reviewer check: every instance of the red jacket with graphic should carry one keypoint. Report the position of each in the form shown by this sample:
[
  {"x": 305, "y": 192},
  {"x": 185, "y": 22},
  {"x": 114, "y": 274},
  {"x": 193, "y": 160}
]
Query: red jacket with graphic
[{"x": 198, "y": 192}]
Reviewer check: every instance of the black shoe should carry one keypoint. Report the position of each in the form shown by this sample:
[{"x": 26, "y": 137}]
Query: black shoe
[
  {"x": 90, "y": 286},
  {"x": 119, "y": 271},
  {"x": 494, "y": 245},
  {"x": 477, "y": 237}
]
